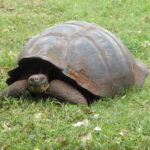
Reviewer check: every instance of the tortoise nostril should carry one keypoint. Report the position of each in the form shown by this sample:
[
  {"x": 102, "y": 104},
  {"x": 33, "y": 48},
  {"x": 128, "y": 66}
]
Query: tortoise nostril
[{"x": 36, "y": 79}]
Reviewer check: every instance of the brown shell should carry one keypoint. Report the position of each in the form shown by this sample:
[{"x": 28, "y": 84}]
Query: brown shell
[{"x": 88, "y": 54}]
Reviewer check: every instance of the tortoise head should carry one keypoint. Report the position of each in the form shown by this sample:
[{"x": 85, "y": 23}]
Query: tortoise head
[{"x": 38, "y": 83}]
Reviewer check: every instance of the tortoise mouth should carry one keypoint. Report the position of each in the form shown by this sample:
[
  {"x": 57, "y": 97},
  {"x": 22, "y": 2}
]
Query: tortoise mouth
[
  {"x": 38, "y": 83},
  {"x": 37, "y": 89}
]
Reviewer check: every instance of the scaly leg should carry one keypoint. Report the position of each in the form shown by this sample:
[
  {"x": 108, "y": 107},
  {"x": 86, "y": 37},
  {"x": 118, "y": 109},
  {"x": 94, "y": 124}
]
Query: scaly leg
[
  {"x": 64, "y": 91},
  {"x": 15, "y": 89}
]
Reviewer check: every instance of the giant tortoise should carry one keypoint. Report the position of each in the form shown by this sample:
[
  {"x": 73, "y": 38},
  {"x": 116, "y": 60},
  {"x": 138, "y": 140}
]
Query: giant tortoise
[{"x": 75, "y": 62}]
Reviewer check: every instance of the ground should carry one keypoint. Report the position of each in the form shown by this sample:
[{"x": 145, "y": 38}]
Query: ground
[{"x": 112, "y": 124}]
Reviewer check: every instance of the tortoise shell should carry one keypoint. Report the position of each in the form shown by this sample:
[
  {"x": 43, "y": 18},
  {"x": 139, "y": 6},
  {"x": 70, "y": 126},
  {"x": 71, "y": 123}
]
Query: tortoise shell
[{"x": 87, "y": 53}]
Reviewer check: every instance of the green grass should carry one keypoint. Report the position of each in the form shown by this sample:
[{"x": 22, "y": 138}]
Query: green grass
[{"x": 26, "y": 124}]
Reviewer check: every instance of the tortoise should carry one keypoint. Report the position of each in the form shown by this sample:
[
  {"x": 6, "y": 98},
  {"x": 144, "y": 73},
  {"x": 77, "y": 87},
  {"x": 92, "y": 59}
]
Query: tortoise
[{"x": 75, "y": 62}]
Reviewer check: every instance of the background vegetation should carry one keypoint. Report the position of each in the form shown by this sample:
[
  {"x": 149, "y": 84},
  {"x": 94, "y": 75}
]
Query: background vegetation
[{"x": 112, "y": 124}]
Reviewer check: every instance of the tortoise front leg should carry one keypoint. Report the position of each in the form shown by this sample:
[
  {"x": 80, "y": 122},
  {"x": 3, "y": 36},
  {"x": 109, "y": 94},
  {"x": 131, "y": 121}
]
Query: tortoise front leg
[
  {"x": 64, "y": 91},
  {"x": 15, "y": 89}
]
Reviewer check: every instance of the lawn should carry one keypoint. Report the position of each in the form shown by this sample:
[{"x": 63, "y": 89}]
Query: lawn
[{"x": 112, "y": 124}]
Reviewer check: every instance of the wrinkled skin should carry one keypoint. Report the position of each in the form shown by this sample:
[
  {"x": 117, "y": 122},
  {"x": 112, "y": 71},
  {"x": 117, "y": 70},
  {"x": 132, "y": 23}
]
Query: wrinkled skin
[{"x": 39, "y": 84}]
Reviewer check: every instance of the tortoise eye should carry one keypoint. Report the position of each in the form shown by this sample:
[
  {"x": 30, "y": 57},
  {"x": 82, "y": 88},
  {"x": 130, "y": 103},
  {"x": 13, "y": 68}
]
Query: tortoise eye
[
  {"x": 31, "y": 79},
  {"x": 42, "y": 78}
]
